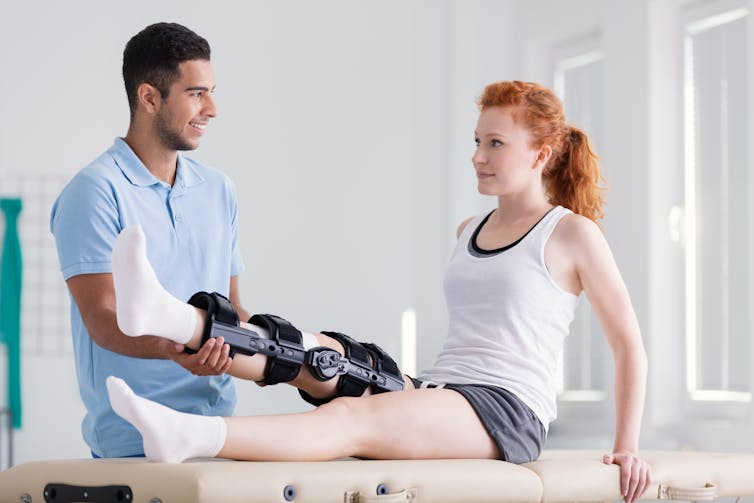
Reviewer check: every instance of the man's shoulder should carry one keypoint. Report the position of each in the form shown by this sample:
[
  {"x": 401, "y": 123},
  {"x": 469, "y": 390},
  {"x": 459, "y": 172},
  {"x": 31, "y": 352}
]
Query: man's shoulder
[
  {"x": 102, "y": 168},
  {"x": 93, "y": 182}
]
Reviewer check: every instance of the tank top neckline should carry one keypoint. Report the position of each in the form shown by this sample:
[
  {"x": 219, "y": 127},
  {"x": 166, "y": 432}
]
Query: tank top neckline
[{"x": 477, "y": 251}]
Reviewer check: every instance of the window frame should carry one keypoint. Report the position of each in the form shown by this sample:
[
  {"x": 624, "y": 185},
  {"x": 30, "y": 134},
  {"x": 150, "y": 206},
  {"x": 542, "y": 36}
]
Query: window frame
[{"x": 702, "y": 402}]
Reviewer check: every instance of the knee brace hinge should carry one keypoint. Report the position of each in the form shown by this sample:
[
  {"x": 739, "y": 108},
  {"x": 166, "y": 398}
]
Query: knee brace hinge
[{"x": 356, "y": 376}]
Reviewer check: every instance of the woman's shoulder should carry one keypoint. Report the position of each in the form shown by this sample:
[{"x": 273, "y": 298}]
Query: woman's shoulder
[
  {"x": 463, "y": 225},
  {"x": 577, "y": 230}
]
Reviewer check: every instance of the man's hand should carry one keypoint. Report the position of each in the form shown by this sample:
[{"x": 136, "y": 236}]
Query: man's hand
[
  {"x": 635, "y": 474},
  {"x": 211, "y": 360}
]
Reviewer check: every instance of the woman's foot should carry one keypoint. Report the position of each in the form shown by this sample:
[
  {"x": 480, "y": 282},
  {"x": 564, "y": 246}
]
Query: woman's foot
[
  {"x": 143, "y": 306},
  {"x": 169, "y": 436}
]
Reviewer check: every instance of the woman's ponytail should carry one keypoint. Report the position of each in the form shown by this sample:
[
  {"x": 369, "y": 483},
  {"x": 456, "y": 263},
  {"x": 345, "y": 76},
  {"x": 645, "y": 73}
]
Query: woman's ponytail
[{"x": 573, "y": 178}]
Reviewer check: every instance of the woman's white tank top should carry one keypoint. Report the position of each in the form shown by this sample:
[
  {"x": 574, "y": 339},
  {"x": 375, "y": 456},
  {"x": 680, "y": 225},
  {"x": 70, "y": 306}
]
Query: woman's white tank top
[{"x": 507, "y": 317}]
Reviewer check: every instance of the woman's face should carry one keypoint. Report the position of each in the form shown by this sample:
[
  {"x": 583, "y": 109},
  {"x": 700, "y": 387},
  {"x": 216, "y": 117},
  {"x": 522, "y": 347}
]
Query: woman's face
[{"x": 504, "y": 161}]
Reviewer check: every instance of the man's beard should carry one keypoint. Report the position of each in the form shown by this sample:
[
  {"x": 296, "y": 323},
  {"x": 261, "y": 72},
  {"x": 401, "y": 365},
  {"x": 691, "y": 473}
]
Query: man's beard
[{"x": 170, "y": 137}]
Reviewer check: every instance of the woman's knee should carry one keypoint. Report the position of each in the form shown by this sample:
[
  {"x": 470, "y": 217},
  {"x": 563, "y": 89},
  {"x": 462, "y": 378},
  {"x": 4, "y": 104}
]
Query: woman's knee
[
  {"x": 357, "y": 415},
  {"x": 347, "y": 416},
  {"x": 343, "y": 407}
]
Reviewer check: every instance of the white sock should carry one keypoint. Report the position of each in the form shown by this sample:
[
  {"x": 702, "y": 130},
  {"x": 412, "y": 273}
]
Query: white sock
[
  {"x": 169, "y": 436},
  {"x": 143, "y": 306}
]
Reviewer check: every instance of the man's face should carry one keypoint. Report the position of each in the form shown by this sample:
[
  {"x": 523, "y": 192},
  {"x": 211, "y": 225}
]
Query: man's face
[{"x": 183, "y": 116}]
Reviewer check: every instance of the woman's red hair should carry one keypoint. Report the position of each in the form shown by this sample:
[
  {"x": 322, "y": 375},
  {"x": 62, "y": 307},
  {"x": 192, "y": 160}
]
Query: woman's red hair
[{"x": 572, "y": 176}]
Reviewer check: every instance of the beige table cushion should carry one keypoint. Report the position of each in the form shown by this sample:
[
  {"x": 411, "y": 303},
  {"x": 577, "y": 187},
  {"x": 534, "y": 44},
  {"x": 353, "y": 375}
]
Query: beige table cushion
[{"x": 576, "y": 475}]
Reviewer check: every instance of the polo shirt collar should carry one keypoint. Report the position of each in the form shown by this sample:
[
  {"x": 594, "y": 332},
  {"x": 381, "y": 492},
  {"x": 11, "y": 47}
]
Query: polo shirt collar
[
  {"x": 131, "y": 166},
  {"x": 186, "y": 174},
  {"x": 138, "y": 174}
]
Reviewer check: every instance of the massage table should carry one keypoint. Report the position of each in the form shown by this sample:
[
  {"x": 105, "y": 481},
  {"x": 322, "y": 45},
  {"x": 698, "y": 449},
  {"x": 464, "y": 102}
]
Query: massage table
[{"x": 558, "y": 476}]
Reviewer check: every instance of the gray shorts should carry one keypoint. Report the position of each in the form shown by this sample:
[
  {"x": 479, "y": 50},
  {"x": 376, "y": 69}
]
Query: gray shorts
[{"x": 513, "y": 426}]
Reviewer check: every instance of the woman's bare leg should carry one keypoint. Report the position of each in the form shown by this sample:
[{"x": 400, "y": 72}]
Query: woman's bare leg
[{"x": 416, "y": 424}]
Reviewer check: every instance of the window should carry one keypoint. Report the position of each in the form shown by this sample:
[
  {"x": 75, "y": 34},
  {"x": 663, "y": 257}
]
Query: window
[
  {"x": 717, "y": 255},
  {"x": 578, "y": 82}
]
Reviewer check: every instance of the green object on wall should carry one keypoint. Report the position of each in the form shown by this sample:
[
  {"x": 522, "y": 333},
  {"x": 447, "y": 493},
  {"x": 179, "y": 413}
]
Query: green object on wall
[{"x": 10, "y": 303}]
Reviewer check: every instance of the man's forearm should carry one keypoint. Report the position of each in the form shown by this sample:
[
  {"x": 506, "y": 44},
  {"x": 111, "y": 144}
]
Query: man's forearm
[{"x": 103, "y": 329}]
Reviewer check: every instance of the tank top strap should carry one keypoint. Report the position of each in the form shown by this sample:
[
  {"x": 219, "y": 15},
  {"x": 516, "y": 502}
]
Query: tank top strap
[
  {"x": 542, "y": 231},
  {"x": 468, "y": 231}
]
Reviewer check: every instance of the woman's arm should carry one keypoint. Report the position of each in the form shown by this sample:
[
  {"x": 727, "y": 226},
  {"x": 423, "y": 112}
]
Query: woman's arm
[{"x": 603, "y": 285}]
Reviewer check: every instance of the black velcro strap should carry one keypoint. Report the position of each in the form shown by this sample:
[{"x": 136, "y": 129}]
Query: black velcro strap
[
  {"x": 218, "y": 308},
  {"x": 353, "y": 383},
  {"x": 283, "y": 367},
  {"x": 390, "y": 377}
]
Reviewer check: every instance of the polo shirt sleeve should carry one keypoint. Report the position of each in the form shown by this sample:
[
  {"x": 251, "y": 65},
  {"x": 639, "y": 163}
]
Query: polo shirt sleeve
[
  {"x": 85, "y": 222},
  {"x": 236, "y": 260}
]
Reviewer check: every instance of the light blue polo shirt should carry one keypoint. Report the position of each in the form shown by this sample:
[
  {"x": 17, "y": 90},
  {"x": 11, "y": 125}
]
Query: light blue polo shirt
[{"x": 191, "y": 232}]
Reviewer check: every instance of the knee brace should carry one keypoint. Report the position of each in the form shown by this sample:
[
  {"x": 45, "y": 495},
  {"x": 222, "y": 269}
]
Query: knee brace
[
  {"x": 363, "y": 365},
  {"x": 284, "y": 349}
]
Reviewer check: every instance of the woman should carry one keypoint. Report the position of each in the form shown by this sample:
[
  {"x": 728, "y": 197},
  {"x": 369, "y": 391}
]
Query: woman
[{"x": 512, "y": 287}]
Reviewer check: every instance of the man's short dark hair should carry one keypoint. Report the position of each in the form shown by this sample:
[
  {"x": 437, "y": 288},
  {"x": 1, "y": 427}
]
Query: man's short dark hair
[{"x": 153, "y": 56}]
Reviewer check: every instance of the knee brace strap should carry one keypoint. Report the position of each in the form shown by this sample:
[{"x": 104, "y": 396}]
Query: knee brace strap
[
  {"x": 284, "y": 361},
  {"x": 363, "y": 365},
  {"x": 284, "y": 350},
  {"x": 219, "y": 309},
  {"x": 385, "y": 366}
]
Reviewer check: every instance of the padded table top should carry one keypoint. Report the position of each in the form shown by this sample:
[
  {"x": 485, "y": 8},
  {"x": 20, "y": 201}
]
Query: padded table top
[{"x": 572, "y": 475}]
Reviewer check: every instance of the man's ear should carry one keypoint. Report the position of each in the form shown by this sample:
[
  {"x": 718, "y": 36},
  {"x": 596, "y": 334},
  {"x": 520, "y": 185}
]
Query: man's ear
[
  {"x": 148, "y": 97},
  {"x": 543, "y": 155}
]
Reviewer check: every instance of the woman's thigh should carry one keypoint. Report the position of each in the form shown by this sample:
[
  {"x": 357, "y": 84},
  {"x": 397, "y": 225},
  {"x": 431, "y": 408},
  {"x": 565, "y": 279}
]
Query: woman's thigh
[{"x": 417, "y": 424}]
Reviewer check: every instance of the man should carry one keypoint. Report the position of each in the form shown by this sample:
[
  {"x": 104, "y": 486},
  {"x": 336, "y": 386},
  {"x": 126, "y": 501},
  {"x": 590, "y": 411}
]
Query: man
[{"x": 189, "y": 215}]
